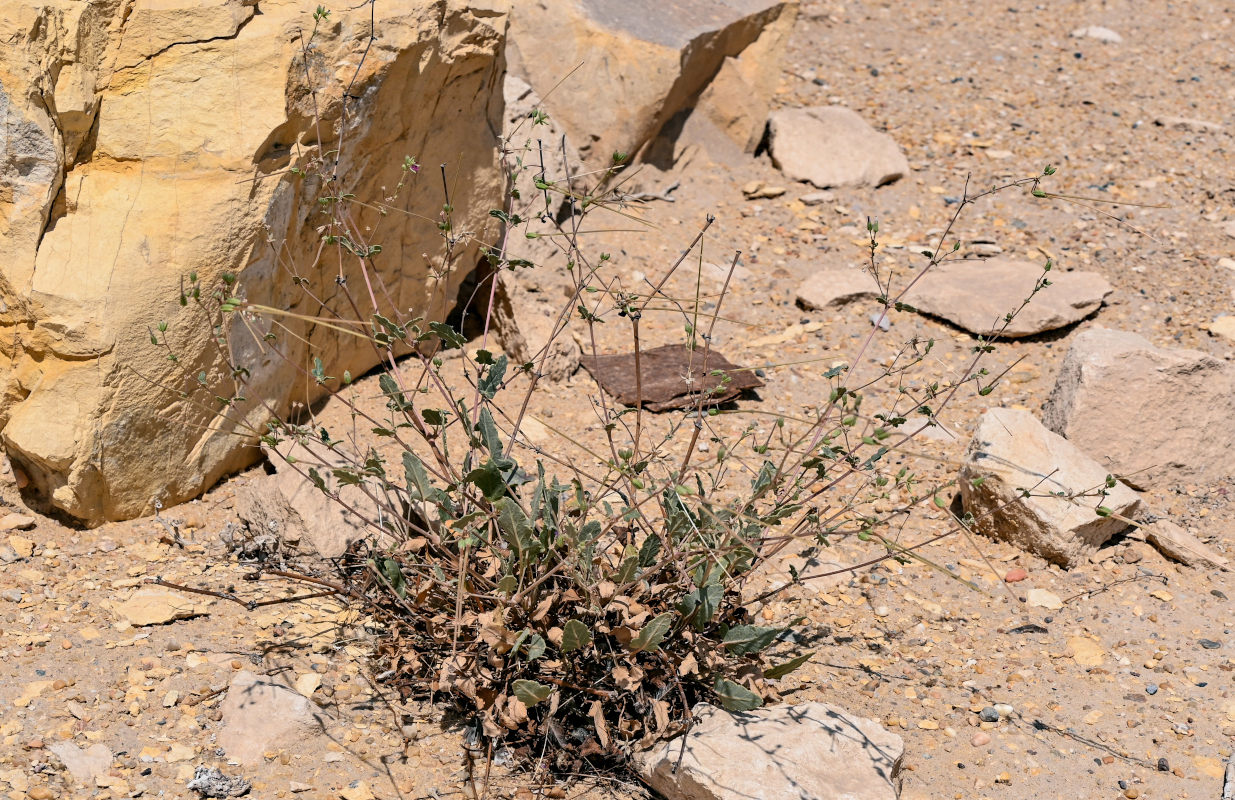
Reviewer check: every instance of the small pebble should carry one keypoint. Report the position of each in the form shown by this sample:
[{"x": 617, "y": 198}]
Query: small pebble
[
  {"x": 1015, "y": 575},
  {"x": 40, "y": 793},
  {"x": 1209, "y": 644},
  {"x": 1164, "y": 765},
  {"x": 980, "y": 739},
  {"x": 12, "y": 595},
  {"x": 1151, "y": 688},
  {"x": 988, "y": 714},
  {"x": 1132, "y": 793}
]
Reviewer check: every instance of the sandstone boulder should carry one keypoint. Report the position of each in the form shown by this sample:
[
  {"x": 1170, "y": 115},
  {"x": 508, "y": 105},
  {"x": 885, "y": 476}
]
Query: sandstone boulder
[
  {"x": 977, "y": 294},
  {"x": 810, "y": 750},
  {"x": 144, "y": 141},
  {"x": 1151, "y": 415},
  {"x": 833, "y": 146},
  {"x": 626, "y": 69},
  {"x": 1012, "y": 453}
]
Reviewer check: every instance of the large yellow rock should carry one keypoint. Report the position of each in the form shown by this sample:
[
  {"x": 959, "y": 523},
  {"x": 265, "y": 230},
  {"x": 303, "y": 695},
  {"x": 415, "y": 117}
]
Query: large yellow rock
[{"x": 140, "y": 141}]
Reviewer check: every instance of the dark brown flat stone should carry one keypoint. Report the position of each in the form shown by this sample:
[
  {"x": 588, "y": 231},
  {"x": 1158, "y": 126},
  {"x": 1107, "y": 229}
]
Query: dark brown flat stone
[{"x": 665, "y": 372}]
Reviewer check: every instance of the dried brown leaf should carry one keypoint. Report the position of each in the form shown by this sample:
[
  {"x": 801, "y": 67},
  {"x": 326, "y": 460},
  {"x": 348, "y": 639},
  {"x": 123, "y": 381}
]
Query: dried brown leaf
[{"x": 597, "y": 713}]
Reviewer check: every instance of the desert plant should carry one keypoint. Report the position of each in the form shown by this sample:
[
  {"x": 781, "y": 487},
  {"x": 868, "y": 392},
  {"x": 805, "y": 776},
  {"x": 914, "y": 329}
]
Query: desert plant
[{"x": 581, "y": 598}]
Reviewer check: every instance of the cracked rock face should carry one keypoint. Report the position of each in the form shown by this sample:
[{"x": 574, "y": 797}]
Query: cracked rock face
[
  {"x": 661, "y": 59},
  {"x": 143, "y": 141}
]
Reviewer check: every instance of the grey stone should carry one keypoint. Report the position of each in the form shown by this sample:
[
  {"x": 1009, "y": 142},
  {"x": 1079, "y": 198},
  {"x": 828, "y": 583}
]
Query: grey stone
[
  {"x": 210, "y": 782},
  {"x": 810, "y": 750},
  {"x": 833, "y": 146},
  {"x": 1012, "y": 452}
]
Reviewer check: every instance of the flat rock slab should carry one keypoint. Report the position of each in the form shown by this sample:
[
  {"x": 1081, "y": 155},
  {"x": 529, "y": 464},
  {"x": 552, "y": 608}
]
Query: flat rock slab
[
  {"x": 1177, "y": 544},
  {"x": 836, "y": 288},
  {"x": 1012, "y": 452},
  {"x": 260, "y": 714},
  {"x": 673, "y": 376},
  {"x": 1109, "y": 399},
  {"x": 83, "y": 765},
  {"x": 833, "y": 146},
  {"x": 978, "y": 294},
  {"x": 158, "y": 605},
  {"x": 810, "y": 750}
]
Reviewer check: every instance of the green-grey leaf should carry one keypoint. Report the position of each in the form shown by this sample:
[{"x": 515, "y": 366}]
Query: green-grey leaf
[
  {"x": 649, "y": 551},
  {"x": 518, "y": 531},
  {"x": 392, "y": 573},
  {"x": 419, "y": 487},
  {"x": 735, "y": 696},
  {"x": 745, "y": 639},
  {"x": 781, "y": 670},
  {"x": 701, "y": 604},
  {"x": 535, "y": 647},
  {"x": 394, "y": 398},
  {"x": 488, "y": 478},
  {"x": 530, "y": 692},
  {"x": 630, "y": 565},
  {"x": 575, "y": 636},
  {"x": 492, "y": 380},
  {"x": 488, "y": 433},
  {"x": 451, "y": 339},
  {"x": 653, "y": 633}
]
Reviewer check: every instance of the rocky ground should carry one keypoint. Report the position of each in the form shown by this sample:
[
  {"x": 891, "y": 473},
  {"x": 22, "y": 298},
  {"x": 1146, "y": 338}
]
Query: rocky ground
[{"x": 1112, "y": 679}]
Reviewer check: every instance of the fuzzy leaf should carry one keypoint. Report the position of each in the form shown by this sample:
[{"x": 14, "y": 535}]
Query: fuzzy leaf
[
  {"x": 394, "y": 398},
  {"x": 535, "y": 647},
  {"x": 492, "y": 380},
  {"x": 451, "y": 339},
  {"x": 530, "y": 692},
  {"x": 392, "y": 573},
  {"x": 653, "y": 633},
  {"x": 649, "y": 551},
  {"x": 419, "y": 487},
  {"x": 575, "y": 636},
  {"x": 700, "y": 605},
  {"x": 745, "y": 639},
  {"x": 488, "y": 434},
  {"x": 781, "y": 670},
  {"x": 518, "y": 531},
  {"x": 735, "y": 696}
]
